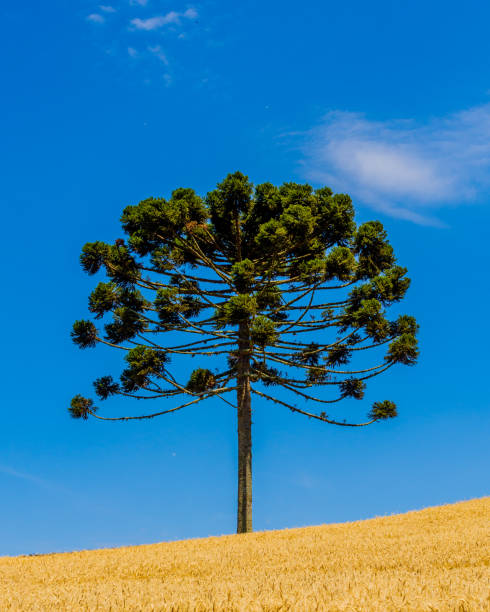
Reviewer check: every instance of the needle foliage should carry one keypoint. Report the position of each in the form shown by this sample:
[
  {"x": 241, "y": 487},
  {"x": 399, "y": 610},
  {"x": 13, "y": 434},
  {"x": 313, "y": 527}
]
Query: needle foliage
[{"x": 274, "y": 289}]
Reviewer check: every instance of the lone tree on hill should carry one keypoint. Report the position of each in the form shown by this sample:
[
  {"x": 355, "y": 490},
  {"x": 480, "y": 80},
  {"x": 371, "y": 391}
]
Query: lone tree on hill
[{"x": 245, "y": 273}]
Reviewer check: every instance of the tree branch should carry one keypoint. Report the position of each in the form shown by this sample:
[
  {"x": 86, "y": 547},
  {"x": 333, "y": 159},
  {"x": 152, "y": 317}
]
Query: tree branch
[
  {"x": 155, "y": 414},
  {"x": 311, "y": 415}
]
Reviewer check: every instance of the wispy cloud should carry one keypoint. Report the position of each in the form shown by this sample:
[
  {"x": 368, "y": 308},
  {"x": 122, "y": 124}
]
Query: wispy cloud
[
  {"x": 96, "y": 18},
  {"x": 154, "y": 23},
  {"x": 4, "y": 469},
  {"x": 36, "y": 480},
  {"x": 402, "y": 167},
  {"x": 159, "y": 54},
  {"x": 139, "y": 36},
  {"x": 306, "y": 481},
  {"x": 191, "y": 13}
]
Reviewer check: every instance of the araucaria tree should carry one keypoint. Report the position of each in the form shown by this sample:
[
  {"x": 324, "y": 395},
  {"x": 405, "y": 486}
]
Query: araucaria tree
[{"x": 241, "y": 279}]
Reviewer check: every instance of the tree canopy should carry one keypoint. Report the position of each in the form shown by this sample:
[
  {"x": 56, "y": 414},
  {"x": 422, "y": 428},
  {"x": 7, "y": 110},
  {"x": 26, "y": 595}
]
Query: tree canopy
[{"x": 242, "y": 279}]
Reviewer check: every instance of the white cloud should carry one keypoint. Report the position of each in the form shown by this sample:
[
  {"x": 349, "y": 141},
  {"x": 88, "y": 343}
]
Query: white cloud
[
  {"x": 5, "y": 469},
  {"x": 157, "y": 52},
  {"x": 95, "y": 18},
  {"x": 402, "y": 167},
  {"x": 154, "y": 23},
  {"x": 107, "y": 9},
  {"x": 41, "y": 482},
  {"x": 132, "y": 52},
  {"x": 138, "y": 2}
]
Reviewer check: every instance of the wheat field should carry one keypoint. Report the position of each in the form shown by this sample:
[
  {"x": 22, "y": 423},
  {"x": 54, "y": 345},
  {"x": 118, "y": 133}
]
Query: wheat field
[{"x": 433, "y": 559}]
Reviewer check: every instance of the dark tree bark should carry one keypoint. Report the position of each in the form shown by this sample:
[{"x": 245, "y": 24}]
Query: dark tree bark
[{"x": 244, "y": 413}]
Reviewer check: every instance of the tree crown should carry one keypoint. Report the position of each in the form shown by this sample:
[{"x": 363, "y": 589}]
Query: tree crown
[{"x": 253, "y": 262}]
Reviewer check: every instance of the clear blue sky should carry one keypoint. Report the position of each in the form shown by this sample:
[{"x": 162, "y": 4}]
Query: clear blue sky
[{"x": 103, "y": 106}]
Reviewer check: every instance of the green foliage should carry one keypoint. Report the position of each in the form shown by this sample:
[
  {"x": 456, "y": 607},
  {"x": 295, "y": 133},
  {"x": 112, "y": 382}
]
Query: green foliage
[
  {"x": 297, "y": 194},
  {"x": 155, "y": 221},
  {"x": 189, "y": 208},
  {"x": 404, "y": 325},
  {"x": 263, "y": 331},
  {"x": 374, "y": 251},
  {"x": 81, "y": 407},
  {"x": 298, "y": 221},
  {"x": 121, "y": 266},
  {"x": 231, "y": 198},
  {"x": 238, "y": 308},
  {"x": 367, "y": 315},
  {"x": 269, "y": 297},
  {"x": 386, "y": 288},
  {"x": 353, "y": 339},
  {"x": 383, "y": 410},
  {"x": 167, "y": 307},
  {"x": 312, "y": 270},
  {"x": 335, "y": 217},
  {"x": 233, "y": 194},
  {"x": 352, "y": 387},
  {"x": 243, "y": 274},
  {"x": 93, "y": 256},
  {"x": 340, "y": 263},
  {"x": 84, "y": 334},
  {"x": 191, "y": 306},
  {"x": 267, "y": 375},
  {"x": 106, "y": 386},
  {"x": 160, "y": 257},
  {"x": 403, "y": 350},
  {"x": 201, "y": 380},
  {"x": 125, "y": 326},
  {"x": 338, "y": 355},
  {"x": 272, "y": 236},
  {"x": 103, "y": 299},
  {"x": 143, "y": 364},
  {"x": 252, "y": 255},
  {"x": 308, "y": 356},
  {"x": 317, "y": 375},
  {"x": 295, "y": 218},
  {"x": 170, "y": 303},
  {"x": 106, "y": 297},
  {"x": 265, "y": 206},
  {"x": 391, "y": 286}
]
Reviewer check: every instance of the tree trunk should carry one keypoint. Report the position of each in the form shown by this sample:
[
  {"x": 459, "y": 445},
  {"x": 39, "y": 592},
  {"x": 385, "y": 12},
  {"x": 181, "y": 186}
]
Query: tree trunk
[{"x": 244, "y": 413}]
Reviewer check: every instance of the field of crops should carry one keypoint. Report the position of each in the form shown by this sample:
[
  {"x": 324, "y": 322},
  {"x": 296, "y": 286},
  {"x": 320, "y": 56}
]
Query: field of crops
[{"x": 433, "y": 559}]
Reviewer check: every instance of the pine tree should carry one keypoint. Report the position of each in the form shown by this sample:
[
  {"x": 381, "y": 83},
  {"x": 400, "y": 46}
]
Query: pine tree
[{"x": 241, "y": 279}]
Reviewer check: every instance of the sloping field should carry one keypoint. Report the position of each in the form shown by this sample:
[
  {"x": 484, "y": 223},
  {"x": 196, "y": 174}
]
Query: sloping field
[{"x": 433, "y": 559}]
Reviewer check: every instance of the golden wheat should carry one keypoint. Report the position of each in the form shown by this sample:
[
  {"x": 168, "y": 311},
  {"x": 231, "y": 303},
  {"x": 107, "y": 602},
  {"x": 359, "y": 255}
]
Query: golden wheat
[{"x": 433, "y": 559}]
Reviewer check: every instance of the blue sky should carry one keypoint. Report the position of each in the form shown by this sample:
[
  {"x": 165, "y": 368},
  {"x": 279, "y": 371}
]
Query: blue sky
[{"x": 105, "y": 105}]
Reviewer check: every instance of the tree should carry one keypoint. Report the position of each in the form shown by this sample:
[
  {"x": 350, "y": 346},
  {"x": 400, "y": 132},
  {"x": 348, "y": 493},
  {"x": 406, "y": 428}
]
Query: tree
[{"x": 240, "y": 279}]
